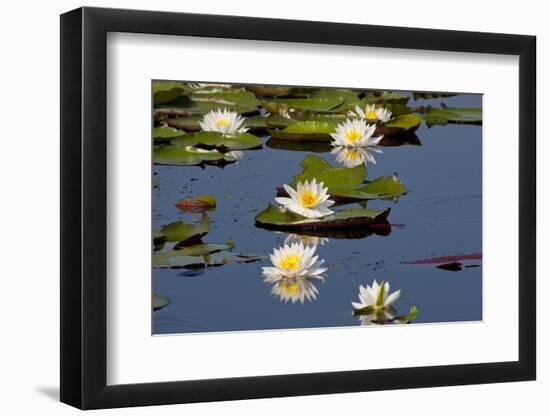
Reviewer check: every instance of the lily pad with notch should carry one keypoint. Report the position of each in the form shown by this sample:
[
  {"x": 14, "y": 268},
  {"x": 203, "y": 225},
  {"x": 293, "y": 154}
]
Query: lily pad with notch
[
  {"x": 220, "y": 141},
  {"x": 289, "y": 105},
  {"x": 166, "y": 133},
  {"x": 459, "y": 115},
  {"x": 185, "y": 155},
  {"x": 346, "y": 185},
  {"x": 277, "y": 218}
]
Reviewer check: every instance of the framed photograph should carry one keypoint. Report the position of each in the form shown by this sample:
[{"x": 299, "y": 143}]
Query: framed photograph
[{"x": 256, "y": 208}]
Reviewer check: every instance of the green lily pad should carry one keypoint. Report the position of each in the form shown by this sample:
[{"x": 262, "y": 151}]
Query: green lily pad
[
  {"x": 443, "y": 115},
  {"x": 300, "y": 146},
  {"x": 346, "y": 184},
  {"x": 238, "y": 97},
  {"x": 230, "y": 141},
  {"x": 185, "y": 105},
  {"x": 333, "y": 178},
  {"x": 159, "y": 302},
  {"x": 176, "y": 260},
  {"x": 165, "y": 92},
  {"x": 384, "y": 187},
  {"x": 344, "y": 94},
  {"x": 181, "y": 232},
  {"x": 303, "y": 104},
  {"x": 320, "y": 127},
  {"x": 271, "y": 90},
  {"x": 166, "y": 133},
  {"x": 384, "y": 97},
  {"x": 402, "y": 124},
  {"x": 194, "y": 251},
  {"x": 194, "y": 204},
  {"x": 180, "y": 155},
  {"x": 315, "y": 131},
  {"x": 275, "y": 218}
]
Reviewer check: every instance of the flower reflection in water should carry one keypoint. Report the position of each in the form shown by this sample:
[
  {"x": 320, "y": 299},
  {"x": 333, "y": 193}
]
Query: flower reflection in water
[
  {"x": 306, "y": 240},
  {"x": 295, "y": 268},
  {"x": 353, "y": 156},
  {"x": 375, "y": 305},
  {"x": 294, "y": 289}
]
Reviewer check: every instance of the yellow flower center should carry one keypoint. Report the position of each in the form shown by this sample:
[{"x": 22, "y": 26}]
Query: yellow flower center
[
  {"x": 372, "y": 115},
  {"x": 289, "y": 288},
  {"x": 290, "y": 262},
  {"x": 222, "y": 122},
  {"x": 353, "y": 155},
  {"x": 353, "y": 135},
  {"x": 308, "y": 199}
]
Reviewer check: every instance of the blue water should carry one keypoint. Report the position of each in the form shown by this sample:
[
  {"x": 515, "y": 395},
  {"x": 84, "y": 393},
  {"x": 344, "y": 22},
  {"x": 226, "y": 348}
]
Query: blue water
[{"x": 441, "y": 215}]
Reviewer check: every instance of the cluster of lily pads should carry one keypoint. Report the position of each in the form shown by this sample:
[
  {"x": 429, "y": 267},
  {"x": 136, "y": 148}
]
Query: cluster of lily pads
[
  {"x": 197, "y": 124},
  {"x": 211, "y": 124},
  {"x": 180, "y": 245}
]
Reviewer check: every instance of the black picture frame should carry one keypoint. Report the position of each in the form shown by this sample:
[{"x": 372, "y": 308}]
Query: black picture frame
[{"x": 84, "y": 207}]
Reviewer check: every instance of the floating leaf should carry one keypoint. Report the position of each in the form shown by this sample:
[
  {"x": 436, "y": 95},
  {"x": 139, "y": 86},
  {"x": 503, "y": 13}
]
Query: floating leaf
[
  {"x": 384, "y": 97},
  {"x": 159, "y": 302},
  {"x": 230, "y": 141},
  {"x": 343, "y": 94},
  {"x": 443, "y": 115},
  {"x": 333, "y": 178},
  {"x": 184, "y": 155},
  {"x": 303, "y": 104},
  {"x": 238, "y": 97},
  {"x": 413, "y": 312},
  {"x": 197, "y": 204},
  {"x": 313, "y": 131},
  {"x": 184, "y": 106},
  {"x": 272, "y": 90},
  {"x": 346, "y": 184},
  {"x": 284, "y": 220},
  {"x": 194, "y": 251},
  {"x": 383, "y": 187},
  {"x": 405, "y": 123},
  {"x": 165, "y": 92},
  {"x": 181, "y": 232},
  {"x": 289, "y": 145},
  {"x": 178, "y": 260},
  {"x": 166, "y": 133},
  {"x": 318, "y": 128}
]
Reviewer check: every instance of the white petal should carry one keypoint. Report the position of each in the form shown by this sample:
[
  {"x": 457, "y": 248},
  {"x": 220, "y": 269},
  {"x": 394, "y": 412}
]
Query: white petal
[{"x": 392, "y": 298}]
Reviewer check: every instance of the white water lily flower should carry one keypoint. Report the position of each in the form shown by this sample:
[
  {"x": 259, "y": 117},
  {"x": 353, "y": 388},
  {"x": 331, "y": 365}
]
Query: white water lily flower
[
  {"x": 223, "y": 121},
  {"x": 295, "y": 289},
  {"x": 355, "y": 132},
  {"x": 377, "y": 297},
  {"x": 310, "y": 199},
  {"x": 291, "y": 261},
  {"x": 372, "y": 113},
  {"x": 306, "y": 240},
  {"x": 352, "y": 156}
]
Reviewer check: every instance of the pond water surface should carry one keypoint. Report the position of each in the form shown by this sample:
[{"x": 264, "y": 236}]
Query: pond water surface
[{"x": 439, "y": 216}]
